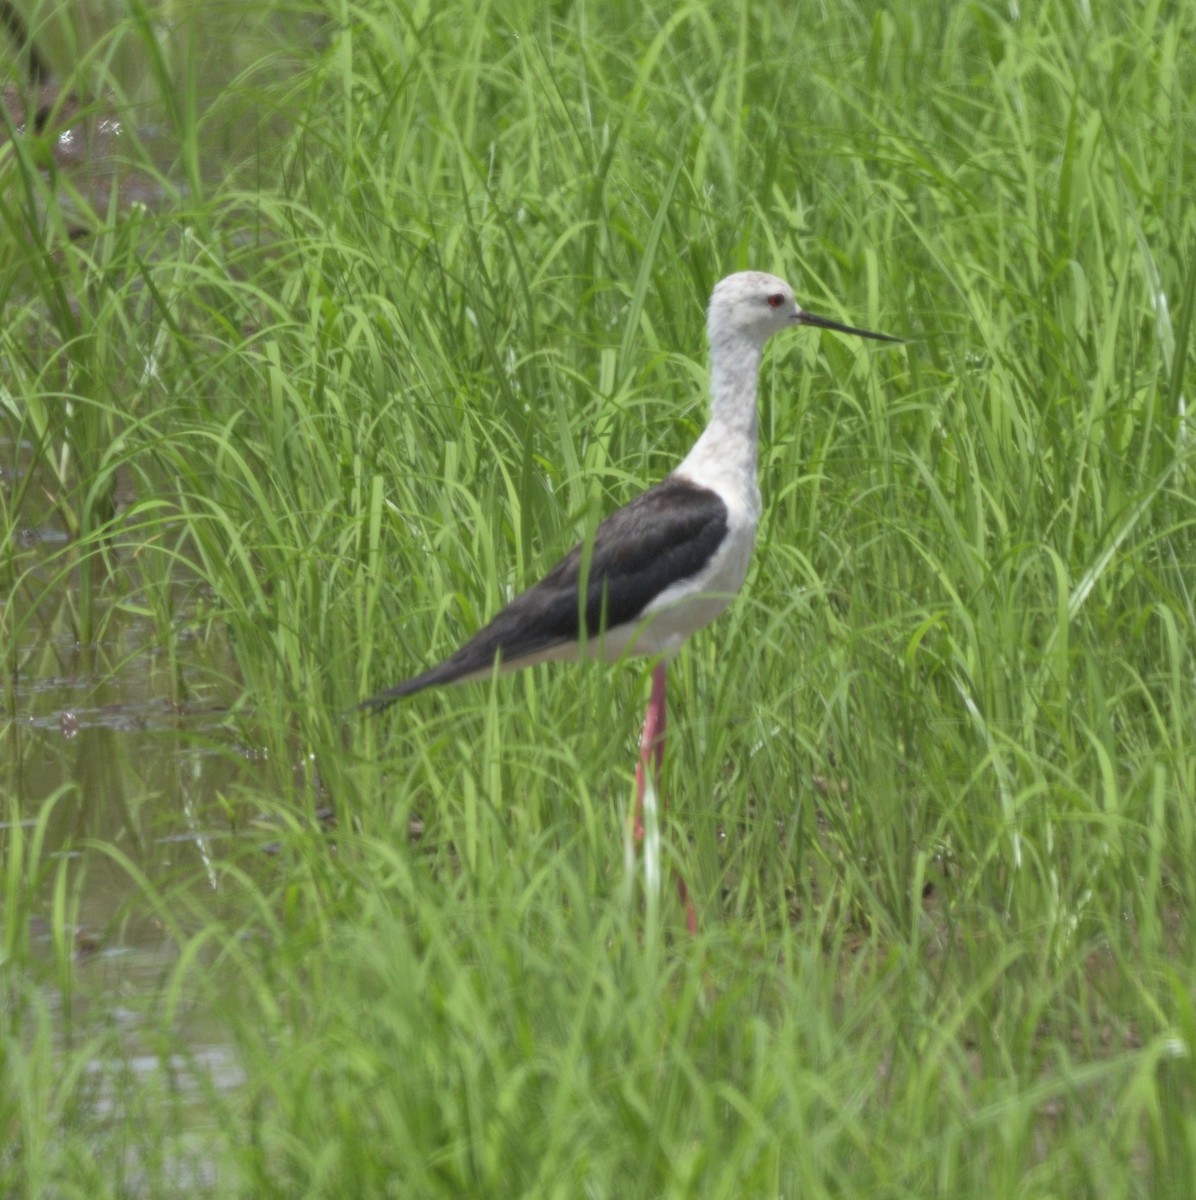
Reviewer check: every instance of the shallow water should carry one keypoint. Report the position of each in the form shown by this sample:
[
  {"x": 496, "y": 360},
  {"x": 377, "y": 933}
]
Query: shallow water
[
  {"x": 112, "y": 743},
  {"x": 132, "y": 746},
  {"x": 105, "y": 735}
]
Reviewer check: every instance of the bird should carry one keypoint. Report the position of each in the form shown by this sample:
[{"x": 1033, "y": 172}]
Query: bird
[{"x": 671, "y": 560}]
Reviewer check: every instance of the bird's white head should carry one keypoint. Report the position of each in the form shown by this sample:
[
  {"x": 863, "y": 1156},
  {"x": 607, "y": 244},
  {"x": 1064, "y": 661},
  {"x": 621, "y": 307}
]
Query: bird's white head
[
  {"x": 750, "y": 304},
  {"x": 755, "y": 305}
]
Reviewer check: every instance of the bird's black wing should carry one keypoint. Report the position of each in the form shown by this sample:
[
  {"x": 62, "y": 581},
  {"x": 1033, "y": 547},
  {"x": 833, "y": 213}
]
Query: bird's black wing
[{"x": 665, "y": 535}]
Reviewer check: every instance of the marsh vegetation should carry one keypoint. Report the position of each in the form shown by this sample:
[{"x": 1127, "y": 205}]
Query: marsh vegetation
[{"x": 352, "y": 320}]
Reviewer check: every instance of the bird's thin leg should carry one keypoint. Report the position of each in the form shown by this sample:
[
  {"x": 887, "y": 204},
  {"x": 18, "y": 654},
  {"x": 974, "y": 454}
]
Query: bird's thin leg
[
  {"x": 652, "y": 752},
  {"x": 651, "y": 746}
]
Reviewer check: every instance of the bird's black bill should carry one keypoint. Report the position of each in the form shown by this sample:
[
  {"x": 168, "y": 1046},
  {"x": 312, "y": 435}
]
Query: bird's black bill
[{"x": 808, "y": 318}]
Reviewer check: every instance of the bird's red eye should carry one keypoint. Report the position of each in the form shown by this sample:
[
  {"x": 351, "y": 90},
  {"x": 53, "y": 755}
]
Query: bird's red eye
[{"x": 776, "y": 300}]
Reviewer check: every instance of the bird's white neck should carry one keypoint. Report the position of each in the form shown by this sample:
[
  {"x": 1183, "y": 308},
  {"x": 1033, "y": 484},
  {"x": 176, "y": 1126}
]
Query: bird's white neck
[{"x": 724, "y": 457}]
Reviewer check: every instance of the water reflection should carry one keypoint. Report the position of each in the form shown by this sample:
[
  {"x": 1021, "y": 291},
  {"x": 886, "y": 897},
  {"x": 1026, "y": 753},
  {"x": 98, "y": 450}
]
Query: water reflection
[
  {"x": 114, "y": 727},
  {"x": 121, "y": 743}
]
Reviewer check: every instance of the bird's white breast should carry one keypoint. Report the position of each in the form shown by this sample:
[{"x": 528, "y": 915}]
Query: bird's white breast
[{"x": 691, "y": 604}]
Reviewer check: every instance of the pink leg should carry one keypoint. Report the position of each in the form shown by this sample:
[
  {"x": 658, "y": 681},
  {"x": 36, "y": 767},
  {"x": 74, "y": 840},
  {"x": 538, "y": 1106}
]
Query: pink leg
[
  {"x": 652, "y": 750},
  {"x": 651, "y": 746}
]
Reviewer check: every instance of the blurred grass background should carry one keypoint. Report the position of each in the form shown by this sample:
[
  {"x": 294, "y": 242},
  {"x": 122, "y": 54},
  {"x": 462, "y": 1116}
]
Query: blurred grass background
[{"x": 360, "y": 317}]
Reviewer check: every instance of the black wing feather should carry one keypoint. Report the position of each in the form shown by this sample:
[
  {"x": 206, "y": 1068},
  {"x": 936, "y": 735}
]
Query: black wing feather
[{"x": 666, "y": 534}]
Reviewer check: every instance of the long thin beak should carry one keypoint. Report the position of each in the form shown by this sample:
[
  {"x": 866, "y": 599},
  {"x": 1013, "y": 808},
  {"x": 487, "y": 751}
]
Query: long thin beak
[{"x": 808, "y": 318}]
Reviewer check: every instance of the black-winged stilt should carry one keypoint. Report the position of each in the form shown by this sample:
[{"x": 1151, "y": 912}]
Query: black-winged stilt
[{"x": 669, "y": 562}]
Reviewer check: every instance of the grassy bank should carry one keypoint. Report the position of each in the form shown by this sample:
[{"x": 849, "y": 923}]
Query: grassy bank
[{"x": 417, "y": 295}]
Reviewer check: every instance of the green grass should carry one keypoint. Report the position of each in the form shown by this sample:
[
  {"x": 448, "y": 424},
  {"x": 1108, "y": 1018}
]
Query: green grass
[{"x": 421, "y": 297}]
